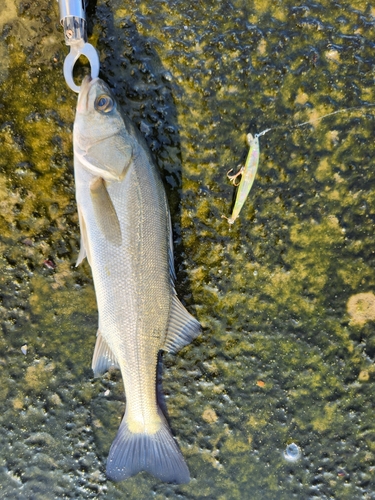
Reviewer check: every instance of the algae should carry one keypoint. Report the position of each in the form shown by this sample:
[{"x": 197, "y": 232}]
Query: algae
[{"x": 361, "y": 308}]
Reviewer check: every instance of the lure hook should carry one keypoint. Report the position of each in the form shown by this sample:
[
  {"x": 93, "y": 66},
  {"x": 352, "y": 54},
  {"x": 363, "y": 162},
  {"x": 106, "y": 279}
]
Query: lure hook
[{"x": 73, "y": 20}]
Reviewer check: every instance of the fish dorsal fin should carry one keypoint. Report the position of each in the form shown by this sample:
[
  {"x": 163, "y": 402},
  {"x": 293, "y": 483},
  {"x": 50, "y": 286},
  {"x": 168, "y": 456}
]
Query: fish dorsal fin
[
  {"x": 103, "y": 357},
  {"x": 97, "y": 160},
  {"x": 84, "y": 249},
  {"x": 104, "y": 211},
  {"x": 172, "y": 272},
  {"x": 182, "y": 327}
]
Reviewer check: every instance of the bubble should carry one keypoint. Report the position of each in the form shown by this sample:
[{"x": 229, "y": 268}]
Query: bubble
[{"x": 292, "y": 452}]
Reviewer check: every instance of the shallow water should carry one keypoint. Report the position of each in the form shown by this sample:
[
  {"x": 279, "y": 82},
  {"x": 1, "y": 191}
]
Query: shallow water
[{"x": 285, "y": 295}]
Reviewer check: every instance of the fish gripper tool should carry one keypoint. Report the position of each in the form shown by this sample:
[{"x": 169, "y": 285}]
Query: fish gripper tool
[{"x": 73, "y": 20}]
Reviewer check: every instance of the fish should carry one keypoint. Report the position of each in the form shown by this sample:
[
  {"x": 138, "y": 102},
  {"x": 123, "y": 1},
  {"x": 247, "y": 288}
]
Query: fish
[
  {"x": 126, "y": 236},
  {"x": 247, "y": 172}
]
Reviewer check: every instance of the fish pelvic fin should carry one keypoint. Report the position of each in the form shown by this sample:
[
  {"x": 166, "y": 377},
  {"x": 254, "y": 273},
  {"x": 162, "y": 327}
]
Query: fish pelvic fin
[
  {"x": 156, "y": 453},
  {"x": 103, "y": 357},
  {"x": 84, "y": 247},
  {"x": 182, "y": 327}
]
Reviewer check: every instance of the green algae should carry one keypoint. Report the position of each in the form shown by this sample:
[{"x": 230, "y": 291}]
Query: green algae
[{"x": 272, "y": 291}]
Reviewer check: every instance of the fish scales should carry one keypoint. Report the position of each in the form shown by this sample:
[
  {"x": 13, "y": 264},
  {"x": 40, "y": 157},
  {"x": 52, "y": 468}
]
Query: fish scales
[
  {"x": 126, "y": 236},
  {"x": 128, "y": 315}
]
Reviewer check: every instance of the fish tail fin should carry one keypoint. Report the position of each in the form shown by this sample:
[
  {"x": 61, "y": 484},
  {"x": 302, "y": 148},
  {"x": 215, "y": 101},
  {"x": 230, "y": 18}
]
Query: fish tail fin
[{"x": 156, "y": 453}]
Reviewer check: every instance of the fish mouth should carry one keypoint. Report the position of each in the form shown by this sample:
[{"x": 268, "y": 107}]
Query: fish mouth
[{"x": 87, "y": 82}]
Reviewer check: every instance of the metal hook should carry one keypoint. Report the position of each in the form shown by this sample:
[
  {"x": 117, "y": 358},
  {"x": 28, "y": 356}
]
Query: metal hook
[{"x": 73, "y": 20}]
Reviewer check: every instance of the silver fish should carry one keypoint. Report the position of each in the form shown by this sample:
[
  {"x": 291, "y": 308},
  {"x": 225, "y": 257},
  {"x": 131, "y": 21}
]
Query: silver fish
[{"x": 126, "y": 236}]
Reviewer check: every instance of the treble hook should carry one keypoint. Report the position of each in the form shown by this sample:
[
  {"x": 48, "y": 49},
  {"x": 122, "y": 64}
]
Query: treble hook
[{"x": 73, "y": 20}]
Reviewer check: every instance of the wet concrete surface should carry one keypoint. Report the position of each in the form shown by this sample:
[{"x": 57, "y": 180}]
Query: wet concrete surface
[{"x": 285, "y": 295}]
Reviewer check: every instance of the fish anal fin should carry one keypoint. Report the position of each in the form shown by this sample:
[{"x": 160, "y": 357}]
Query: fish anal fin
[
  {"x": 104, "y": 211},
  {"x": 182, "y": 327},
  {"x": 103, "y": 357}
]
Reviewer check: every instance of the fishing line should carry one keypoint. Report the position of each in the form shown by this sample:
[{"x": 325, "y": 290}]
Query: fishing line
[{"x": 314, "y": 120}]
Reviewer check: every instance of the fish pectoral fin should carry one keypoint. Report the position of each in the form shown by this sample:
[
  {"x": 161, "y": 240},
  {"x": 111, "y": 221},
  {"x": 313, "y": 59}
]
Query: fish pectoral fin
[
  {"x": 104, "y": 211},
  {"x": 114, "y": 157},
  {"x": 182, "y": 327},
  {"x": 84, "y": 247},
  {"x": 103, "y": 357}
]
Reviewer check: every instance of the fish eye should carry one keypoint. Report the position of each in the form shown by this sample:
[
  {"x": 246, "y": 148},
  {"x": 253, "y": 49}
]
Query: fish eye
[{"x": 104, "y": 103}]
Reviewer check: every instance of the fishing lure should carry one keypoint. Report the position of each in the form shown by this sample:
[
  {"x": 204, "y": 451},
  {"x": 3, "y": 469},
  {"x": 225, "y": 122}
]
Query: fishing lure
[{"x": 247, "y": 172}]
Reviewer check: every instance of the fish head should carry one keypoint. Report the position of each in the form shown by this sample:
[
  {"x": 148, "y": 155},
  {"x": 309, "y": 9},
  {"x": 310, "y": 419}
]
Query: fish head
[
  {"x": 102, "y": 140},
  {"x": 97, "y": 115}
]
